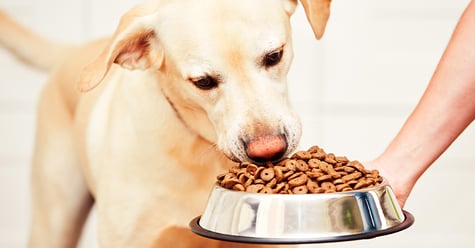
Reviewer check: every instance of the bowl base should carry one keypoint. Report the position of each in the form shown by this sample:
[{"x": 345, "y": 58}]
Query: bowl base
[{"x": 196, "y": 228}]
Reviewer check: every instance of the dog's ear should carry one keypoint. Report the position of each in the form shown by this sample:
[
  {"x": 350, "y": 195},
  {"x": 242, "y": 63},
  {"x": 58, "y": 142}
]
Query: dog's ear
[
  {"x": 134, "y": 45},
  {"x": 317, "y": 12},
  {"x": 290, "y": 6}
]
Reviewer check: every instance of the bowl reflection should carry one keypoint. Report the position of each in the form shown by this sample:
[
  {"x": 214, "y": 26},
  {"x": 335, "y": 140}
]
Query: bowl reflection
[{"x": 308, "y": 218}]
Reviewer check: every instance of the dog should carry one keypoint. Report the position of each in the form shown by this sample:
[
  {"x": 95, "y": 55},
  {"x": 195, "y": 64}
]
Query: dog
[{"x": 140, "y": 123}]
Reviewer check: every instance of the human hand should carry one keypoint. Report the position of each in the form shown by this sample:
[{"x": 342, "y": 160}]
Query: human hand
[{"x": 400, "y": 182}]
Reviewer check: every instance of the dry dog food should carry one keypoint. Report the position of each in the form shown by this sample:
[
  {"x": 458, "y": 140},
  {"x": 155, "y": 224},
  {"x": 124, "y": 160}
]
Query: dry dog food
[{"x": 311, "y": 171}]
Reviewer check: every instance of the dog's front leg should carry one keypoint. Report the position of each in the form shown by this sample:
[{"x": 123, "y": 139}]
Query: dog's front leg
[{"x": 135, "y": 207}]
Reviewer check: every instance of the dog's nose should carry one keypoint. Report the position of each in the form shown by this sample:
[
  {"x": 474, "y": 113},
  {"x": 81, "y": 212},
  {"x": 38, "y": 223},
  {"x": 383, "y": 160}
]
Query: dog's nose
[{"x": 266, "y": 148}]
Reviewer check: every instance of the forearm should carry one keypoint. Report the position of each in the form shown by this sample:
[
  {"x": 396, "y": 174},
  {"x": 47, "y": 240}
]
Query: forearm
[{"x": 446, "y": 108}]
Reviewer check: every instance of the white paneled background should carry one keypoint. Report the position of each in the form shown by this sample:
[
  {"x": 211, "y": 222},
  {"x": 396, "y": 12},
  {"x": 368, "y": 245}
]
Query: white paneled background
[{"x": 353, "y": 90}]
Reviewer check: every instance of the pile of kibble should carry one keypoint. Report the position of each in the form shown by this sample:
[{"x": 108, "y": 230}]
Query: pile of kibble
[{"x": 311, "y": 171}]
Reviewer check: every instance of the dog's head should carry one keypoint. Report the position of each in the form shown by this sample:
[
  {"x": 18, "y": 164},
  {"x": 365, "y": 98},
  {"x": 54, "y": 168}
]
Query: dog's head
[{"x": 221, "y": 64}]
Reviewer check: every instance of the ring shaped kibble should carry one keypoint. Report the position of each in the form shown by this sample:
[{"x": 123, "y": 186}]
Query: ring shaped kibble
[{"x": 306, "y": 172}]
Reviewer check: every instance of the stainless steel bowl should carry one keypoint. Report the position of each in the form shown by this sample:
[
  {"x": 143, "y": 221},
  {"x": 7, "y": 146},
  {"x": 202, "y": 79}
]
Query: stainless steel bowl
[{"x": 310, "y": 218}]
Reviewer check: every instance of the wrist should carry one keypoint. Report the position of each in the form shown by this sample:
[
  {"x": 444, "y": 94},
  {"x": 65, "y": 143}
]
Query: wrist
[{"x": 400, "y": 173}]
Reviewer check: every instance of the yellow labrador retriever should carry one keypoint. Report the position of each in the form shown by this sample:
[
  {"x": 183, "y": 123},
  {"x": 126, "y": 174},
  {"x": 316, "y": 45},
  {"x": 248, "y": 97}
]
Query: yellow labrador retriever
[{"x": 183, "y": 89}]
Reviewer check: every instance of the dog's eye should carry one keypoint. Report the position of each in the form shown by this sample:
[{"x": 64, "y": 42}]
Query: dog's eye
[
  {"x": 205, "y": 83},
  {"x": 273, "y": 58}
]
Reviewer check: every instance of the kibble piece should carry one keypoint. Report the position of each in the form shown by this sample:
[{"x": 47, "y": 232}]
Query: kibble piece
[
  {"x": 313, "y": 187},
  {"x": 352, "y": 176},
  {"x": 324, "y": 178},
  {"x": 339, "y": 168},
  {"x": 266, "y": 190},
  {"x": 328, "y": 186},
  {"x": 357, "y": 165},
  {"x": 272, "y": 183},
  {"x": 243, "y": 177},
  {"x": 248, "y": 182},
  {"x": 291, "y": 165},
  {"x": 251, "y": 168},
  {"x": 319, "y": 155},
  {"x": 338, "y": 181},
  {"x": 286, "y": 188},
  {"x": 239, "y": 187},
  {"x": 299, "y": 180},
  {"x": 258, "y": 172},
  {"x": 342, "y": 186},
  {"x": 259, "y": 181},
  {"x": 244, "y": 164},
  {"x": 342, "y": 159},
  {"x": 328, "y": 168},
  {"x": 361, "y": 184},
  {"x": 267, "y": 174},
  {"x": 313, "y": 149},
  {"x": 302, "y": 166},
  {"x": 255, "y": 188},
  {"x": 300, "y": 190},
  {"x": 314, "y": 174},
  {"x": 278, "y": 187},
  {"x": 279, "y": 174},
  {"x": 352, "y": 182},
  {"x": 220, "y": 177},
  {"x": 305, "y": 155},
  {"x": 313, "y": 163},
  {"x": 330, "y": 158},
  {"x": 230, "y": 182},
  {"x": 288, "y": 174}
]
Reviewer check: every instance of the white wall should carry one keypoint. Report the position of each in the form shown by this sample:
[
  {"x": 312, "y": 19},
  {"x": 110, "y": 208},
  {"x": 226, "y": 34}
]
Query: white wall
[{"x": 353, "y": 90}]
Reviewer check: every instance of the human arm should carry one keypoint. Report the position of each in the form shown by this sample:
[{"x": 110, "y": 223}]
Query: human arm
[{"x": 446, "y": 108}]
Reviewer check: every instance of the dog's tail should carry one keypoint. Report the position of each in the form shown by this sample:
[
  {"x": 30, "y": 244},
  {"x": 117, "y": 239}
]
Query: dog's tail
[{"x": 29, "y": 47}]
